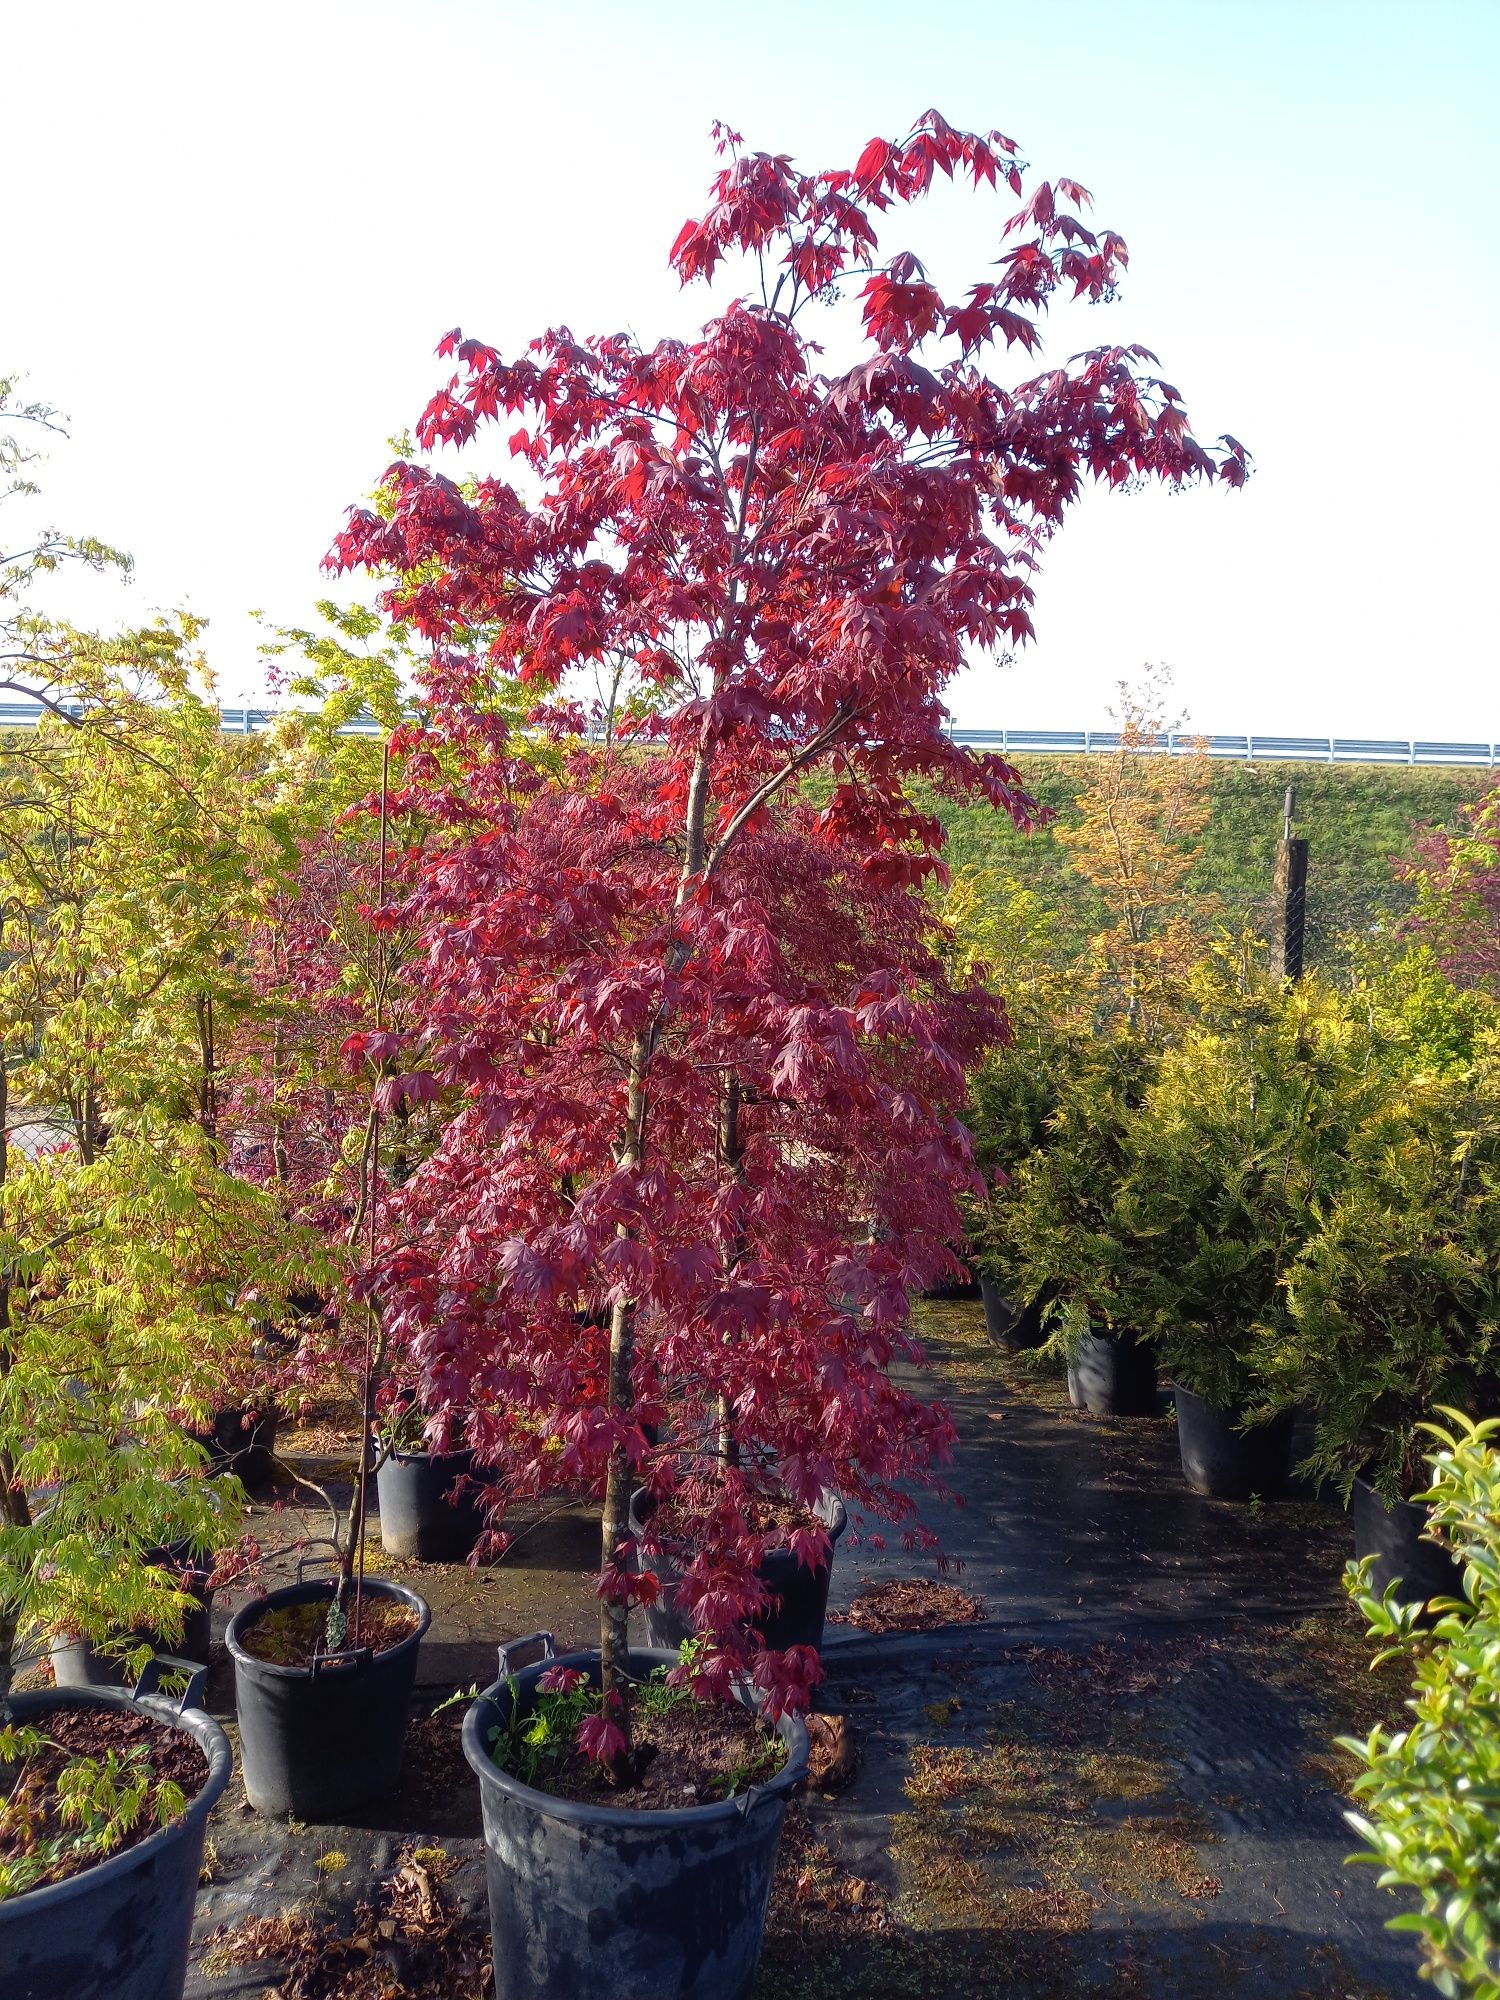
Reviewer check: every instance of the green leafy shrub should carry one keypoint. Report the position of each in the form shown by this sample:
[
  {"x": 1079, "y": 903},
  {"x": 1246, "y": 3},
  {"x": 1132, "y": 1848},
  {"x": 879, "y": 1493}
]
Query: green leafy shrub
[
  {"x": 1393, "y": 1305},
  {"x": 1243, "y": 1138},
  {"x": 1062, "y": 1224},
  {"x": 1430, "y": 1793}
]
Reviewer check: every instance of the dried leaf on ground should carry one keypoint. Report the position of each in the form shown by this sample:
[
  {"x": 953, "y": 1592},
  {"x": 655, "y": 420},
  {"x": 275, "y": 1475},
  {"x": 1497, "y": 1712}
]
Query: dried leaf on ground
[
  {"x": 408, "y": 1944},
  {"x": 832, "y": 1754},
  {"x": 912, "y": 1604}
]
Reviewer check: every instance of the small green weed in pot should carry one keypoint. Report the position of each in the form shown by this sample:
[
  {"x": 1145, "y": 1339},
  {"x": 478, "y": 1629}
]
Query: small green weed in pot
[
  {"x": 542, "y": 1746},
  {"x": 60, "y": 1812}
]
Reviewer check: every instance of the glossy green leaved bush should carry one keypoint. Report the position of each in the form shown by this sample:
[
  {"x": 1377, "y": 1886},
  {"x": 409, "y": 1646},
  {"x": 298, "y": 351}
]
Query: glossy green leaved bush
[{"x": 1429, "y": 1794}]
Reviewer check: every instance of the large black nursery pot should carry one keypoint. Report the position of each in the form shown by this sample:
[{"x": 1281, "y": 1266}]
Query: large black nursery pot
[
  {"x": 1392, "y": 1532},
  {"x": 317, "y": 1743},
  {"x": 1010, "y": 1326},
  {"x": 243, "y": 1442},
  {"x": 1112, "y": 1375},
  {"x": 803, "y": 1592},
  {"x": 1227, "y": 1463},
  {"x": 424, "y": 1513},
  {"x": 589, "y": 1899},
  {"x": 997, "y": 1313},
  {"x": 76, "y": 1663},
  {"x": 119, "y": 1930},
  {"x": 952, "y": 1291}
]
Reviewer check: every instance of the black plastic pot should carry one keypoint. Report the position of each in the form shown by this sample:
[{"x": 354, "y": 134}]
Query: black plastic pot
[
  {"x": 803, "y": 1592},
  {"x": 120, "y": 1930},
  {"x": 953, "y": 1292},
  {"x": 242, "y": 1442},
  {"x": 318, "y": 1742},
  {"x": 998, "y": 1317},
  {"x": 636, "y": 1905},
  {"x": 1007, "y": 1325},
  {"x": 1392, "y": 1532},
  {"x": 418, "y": 1516},
  {"x": 1113, "y": 1375},
  {"x": 1225, "y": 1462},
  {"x": 76, "y": 1663}
]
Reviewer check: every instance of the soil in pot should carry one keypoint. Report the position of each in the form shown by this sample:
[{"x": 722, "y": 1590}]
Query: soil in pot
[
  {"x": 687, "y": 1752},
  {"x": 1224, "y": 1462},
  {"x": 1112, "y": 1375},
  {"x": 35, "y": 1837},
  {"x": 295, "y": 1635},
  {"x": 118, "y": 1928},
  {"x": 800, "y": 1593},
  {"x": 1392, "y": 1532}
]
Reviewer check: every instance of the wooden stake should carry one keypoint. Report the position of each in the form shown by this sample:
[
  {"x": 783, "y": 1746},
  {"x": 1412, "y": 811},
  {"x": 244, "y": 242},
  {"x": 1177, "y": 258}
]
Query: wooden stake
[{"x": 1291, "y": 897}]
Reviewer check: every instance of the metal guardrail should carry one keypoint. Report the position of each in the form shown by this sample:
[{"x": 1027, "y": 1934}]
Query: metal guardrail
[
  {"x": 1033, "y": 742},
  {"x": 235, "y": 720},
  {"x": 1248, "y": 749}
]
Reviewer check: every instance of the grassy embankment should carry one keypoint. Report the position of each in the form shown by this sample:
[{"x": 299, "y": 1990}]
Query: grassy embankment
[{"x": 1357, "y": 818}]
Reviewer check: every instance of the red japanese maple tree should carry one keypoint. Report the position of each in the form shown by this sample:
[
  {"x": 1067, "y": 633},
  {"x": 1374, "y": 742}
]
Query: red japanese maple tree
[{"x": 711, "y": 1071}]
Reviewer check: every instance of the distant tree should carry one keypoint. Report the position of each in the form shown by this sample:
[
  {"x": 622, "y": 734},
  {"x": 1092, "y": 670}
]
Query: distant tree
[
  {"x": 1142, "y": 811},
  {"x": 29, "y": 641}
]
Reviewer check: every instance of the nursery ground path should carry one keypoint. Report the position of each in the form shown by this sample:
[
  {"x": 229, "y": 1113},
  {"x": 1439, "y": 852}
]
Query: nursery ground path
[{"x": 1120, "y": 1780}]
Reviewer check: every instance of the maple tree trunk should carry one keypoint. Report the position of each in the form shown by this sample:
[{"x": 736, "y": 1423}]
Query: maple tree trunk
[
  {"x": 732, "y": 1152},
  {"x": 279, "y": 1159},
  {"x": 614, "y": 1529},
  {"x": 614, "y": 1609},
  {"x": 208, "y": 1091}
]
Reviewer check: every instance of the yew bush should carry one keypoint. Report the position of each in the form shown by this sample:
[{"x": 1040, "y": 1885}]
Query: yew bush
[{"x": 710, "y": 1067}]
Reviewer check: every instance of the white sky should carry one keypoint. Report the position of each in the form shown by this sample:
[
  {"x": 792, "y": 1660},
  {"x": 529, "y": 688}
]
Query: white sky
[{"x": 233, "y": 236}]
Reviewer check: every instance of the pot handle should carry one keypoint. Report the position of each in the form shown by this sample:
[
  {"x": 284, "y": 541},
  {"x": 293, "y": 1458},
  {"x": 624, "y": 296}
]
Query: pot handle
[
  {"x": 161, "y": 1664},
  {"x": 345, "y": 1656},
  {"x": 305, "y": 1563},
  {"x": 512, "y": 1646},
  {"x": 751, "y": 1797}
]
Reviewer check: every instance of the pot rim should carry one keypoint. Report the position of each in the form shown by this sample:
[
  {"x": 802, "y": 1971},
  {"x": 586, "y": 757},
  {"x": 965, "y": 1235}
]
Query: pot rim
[
  {"x": 396, "y": 1456},
  {"x": 1232, "y": 1413},
  {"x": 307, "y": 1593},
  {"x": 195, "y": 1722},
  {"x": 835, "y": 1525},
  {"x": 1369, "y": 1486},
  {"x": 629, "y": 1819}
]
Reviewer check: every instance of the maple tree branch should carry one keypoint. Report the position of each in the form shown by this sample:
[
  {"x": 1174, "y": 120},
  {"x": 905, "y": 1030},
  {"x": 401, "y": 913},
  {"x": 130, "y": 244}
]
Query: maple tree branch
[{"x": 813, "y": 747}]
